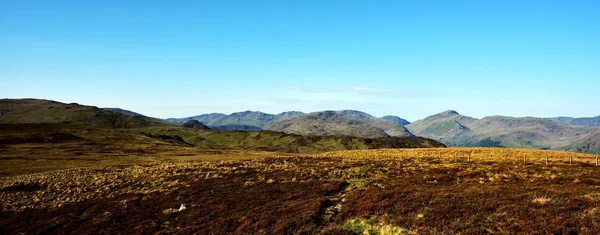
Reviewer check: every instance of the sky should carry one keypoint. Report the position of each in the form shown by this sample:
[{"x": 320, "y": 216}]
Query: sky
[{"x": 406, "y": 58}]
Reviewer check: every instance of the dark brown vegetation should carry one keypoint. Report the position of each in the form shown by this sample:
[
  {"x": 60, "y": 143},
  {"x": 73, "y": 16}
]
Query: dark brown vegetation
[{"x": 378, "y": 191}]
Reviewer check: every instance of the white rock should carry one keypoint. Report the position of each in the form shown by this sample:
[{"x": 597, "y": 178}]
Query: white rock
[{"x": 182, "y": 207}]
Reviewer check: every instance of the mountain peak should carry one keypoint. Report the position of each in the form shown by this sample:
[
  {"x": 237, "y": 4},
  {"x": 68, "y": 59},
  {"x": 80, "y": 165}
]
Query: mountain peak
[{"x": 450, "y": 112}]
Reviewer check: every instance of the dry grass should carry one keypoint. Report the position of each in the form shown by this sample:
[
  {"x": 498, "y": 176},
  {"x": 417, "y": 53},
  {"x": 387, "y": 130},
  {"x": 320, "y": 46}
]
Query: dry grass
[
  {"x": 377, "y": 191},
  {"x": 471, "y": 155},
  {"x": 541, "y": 199}
]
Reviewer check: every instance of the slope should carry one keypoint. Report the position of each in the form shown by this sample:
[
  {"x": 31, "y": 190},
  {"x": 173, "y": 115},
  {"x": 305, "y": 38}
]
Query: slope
[
  {"x": 454, "y": 129},
  {"x": 586, "y": 121},
  {"x": 13, "y": 111},
  {"x": 340, "y": 123}
]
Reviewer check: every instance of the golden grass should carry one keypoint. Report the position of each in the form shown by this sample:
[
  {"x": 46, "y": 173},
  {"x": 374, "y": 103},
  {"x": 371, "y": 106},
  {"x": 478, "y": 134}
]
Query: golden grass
[
  {"x": 473, "y": 155},
  {"x": 541, "y": 199},
  {"x": 384, "y": 191}
]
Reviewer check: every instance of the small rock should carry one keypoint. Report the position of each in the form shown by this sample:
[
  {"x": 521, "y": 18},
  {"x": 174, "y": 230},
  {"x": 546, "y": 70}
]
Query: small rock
[{"x": 184, "y": 206}]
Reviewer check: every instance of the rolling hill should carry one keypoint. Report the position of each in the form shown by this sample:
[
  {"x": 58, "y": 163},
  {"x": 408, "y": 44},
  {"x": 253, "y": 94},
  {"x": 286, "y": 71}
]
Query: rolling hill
[
  {"x": 339, "y": 123},
  {"x": 19, "y": 111}
]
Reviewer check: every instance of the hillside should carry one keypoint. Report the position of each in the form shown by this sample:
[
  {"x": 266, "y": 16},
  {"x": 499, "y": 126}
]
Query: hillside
[
  {"x": 281, "y": 142},
  {"x": 246, "y": 121},
  {"x": 18, "y": 111},
  {"x": 195, "y": 124},
  {"x": 395, "y": 120},
  {"x": 339, "y": 123},
  {"x": 588, "y": 143},
  {"x": 253, "y": 121},
  {"x": 586, "y": 121},
  {"x": 133, "y": 114},
  {"x": 54, "y": 121},
  {"x": 454, "y": 129}
]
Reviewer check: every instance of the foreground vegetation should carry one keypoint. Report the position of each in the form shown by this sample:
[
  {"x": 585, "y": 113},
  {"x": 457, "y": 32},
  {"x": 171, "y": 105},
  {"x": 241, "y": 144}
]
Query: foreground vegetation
[{"x": 387, "y": 191}]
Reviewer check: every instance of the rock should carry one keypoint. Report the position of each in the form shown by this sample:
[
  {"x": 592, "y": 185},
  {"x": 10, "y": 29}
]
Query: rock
[{"x": 184, "y": 206}]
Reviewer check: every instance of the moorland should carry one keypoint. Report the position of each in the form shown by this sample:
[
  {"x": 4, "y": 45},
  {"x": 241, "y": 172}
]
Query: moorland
[{"x": 70, "y": 168}]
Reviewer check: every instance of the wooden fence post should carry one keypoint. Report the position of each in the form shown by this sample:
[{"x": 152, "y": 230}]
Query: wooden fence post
[
  {"x": 570, "y": 159},
  {"x": 546, "y": 160},
  {"x": 524, "y": 159},
  {"x": 596, "y": 160}
]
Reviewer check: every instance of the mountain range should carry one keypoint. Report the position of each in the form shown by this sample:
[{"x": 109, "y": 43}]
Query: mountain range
[
  {"x": 247, "y": 121},
  {"x": 448, "y": 127},
  {"x": 341, "y": 123},
  {"x": 26, "y": 121},
  {"x": 454, "y": 129},
  {"x": 589, "y": 121}
]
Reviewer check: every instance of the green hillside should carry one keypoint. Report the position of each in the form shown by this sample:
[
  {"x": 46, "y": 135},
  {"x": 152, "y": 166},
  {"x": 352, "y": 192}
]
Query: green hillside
[{"x": 14, "y": 111}]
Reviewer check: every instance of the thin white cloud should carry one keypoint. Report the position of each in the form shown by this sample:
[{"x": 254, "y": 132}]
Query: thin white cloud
[{"x": 359, "y": 90}]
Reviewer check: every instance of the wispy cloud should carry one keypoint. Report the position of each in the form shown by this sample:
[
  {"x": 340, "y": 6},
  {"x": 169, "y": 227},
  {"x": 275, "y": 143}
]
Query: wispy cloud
[
  {"x": 360, "y": 90},
  {"x": 311, "y": 89}
]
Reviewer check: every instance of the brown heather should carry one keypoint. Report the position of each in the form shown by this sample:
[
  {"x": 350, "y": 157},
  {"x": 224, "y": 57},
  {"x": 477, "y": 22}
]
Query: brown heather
[{"x": 387, "y": 191}]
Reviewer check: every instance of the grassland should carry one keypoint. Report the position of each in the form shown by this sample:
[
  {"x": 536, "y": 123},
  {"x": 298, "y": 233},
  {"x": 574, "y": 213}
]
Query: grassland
[{"x": 385, "y": 191}]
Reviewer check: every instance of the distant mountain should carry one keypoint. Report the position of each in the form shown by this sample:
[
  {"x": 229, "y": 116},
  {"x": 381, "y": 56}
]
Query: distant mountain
[
  {"x": 206, "y": 119},
  {"x": 25, "y": 111},
  {"x": 587, "y": 121},
  {"x": 246, "y": 121},
  {"x": 448, "y": 126},
  {"x": 195, "y": 124},
  {"x": 588, "y": 143},
  {"x": 453, "y": 129},
  {"x": 252, "y": 120},
  {"x": 132, "y": 114},
  {"x": 339, "y": 123},
  {"x": 394, "y": 120}
]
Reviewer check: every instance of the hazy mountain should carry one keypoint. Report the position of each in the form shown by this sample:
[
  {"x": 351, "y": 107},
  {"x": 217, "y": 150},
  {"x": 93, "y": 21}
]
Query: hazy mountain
[
  {"x": 586, "y": 121},
  {"x": 195, "y": 124},
  {"x": 21, "y": 111},
  {"x": 394, "y": 120},
  {"x": 588, "y": 143},
  {"x": 453, "y": 129},
  {"x": 448, "y": 126},
  {"x": 245, "y": 121},
  {"x": 346, "y": 122},
  {"x": 206, "y": 119}
]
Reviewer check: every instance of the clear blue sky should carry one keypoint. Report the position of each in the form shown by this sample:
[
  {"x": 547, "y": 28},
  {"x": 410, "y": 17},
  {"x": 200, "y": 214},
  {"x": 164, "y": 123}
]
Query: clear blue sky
[{"x": 405, "y": 58}]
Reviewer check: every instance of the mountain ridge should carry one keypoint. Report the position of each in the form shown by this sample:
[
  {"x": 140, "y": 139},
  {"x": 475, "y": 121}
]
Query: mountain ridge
[{"x": 344, "y": 122}]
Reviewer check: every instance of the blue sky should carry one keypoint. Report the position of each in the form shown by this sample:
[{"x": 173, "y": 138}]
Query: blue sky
[{"x": 405, "y": 58}]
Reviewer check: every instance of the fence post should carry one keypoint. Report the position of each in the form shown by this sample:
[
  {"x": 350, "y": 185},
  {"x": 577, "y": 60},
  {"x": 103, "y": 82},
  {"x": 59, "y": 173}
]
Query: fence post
[
  {"x": 570, "y": 159},
  {"x": 546, "y": 160},
  {"x": 596, "y": 160},
  {"x": 524, "y": 159},
  {"x": 456, "y": 157}
]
